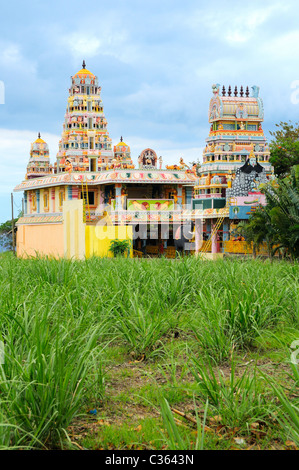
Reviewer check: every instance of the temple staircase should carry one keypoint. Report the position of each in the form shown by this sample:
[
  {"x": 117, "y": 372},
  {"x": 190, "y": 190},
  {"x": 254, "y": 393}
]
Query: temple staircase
[{"x": 216, "y": 227}]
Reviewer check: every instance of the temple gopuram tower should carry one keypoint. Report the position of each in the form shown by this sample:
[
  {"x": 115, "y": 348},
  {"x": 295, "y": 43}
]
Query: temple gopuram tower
[
  {"x": 235, "y": 165},
  {"x": 235, "y": 134},
  {"x": 85, "y": 144},
  {"x": 122, "y": 156},
  {"x": 39, "y": 162}
]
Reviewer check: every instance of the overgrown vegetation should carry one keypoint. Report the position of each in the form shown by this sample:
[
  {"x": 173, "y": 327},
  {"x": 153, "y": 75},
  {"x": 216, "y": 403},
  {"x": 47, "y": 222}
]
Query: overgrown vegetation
[
  {"x": 284, "y": 147},
  {"x": 277, "y": 223},
  {"x": 148, "y": 354}
]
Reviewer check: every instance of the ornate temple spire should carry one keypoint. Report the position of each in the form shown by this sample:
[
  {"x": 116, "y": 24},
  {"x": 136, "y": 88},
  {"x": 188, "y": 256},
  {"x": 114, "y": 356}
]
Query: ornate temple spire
[
  {"x": 39, "y": 163},
  {"x": 85, "y": 139}
]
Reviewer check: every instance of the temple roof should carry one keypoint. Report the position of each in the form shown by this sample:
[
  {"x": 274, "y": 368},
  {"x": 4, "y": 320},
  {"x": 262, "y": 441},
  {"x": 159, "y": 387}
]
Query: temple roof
[
  {"x": 240, "y": 106},
  {"x": 121, "y": 144},
  {"x": 113, "y": 176},
  {"x": 84, "y": 71},
  {"x": 39, "y": 140}
]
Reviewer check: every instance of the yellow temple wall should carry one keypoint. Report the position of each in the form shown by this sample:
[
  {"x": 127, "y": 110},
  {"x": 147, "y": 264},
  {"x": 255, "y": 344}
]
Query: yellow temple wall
[
  {"x": 73, "y": 229},
  {"x": 43, "y": 239},
  {"x": 98, "y": 238},
  {"x": 242, "y": 247}
]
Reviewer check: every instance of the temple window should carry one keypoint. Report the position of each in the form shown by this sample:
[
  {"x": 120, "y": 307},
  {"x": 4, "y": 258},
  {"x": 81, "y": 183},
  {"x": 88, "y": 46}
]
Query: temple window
[{"x": 88, "y": 197}]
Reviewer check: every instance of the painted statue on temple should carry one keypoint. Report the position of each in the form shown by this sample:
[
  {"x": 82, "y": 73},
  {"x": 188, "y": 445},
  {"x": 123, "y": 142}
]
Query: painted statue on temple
[
  {"x": 148, "y": 159},
  {"x": 248, "y": 177}
]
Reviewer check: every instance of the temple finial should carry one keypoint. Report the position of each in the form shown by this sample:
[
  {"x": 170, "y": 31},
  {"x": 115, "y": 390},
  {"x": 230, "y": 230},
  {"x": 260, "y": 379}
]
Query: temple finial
[
  {"x": 121, "y": 138},
  {"x": 83, "y": 65},
  {"x": 39, "y": 135}
]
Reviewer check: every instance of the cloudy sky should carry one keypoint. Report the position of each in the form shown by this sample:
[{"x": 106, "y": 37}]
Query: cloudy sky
[{"x": 156, "y": 62}]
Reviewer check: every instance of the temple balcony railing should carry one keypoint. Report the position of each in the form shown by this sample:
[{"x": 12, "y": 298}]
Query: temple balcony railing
[
  {"x": 208, "y": 196},
  {"x": 140, "y": 217},
  {"x": 237, "y": 152},
  {"x": 83, "y": 152}
]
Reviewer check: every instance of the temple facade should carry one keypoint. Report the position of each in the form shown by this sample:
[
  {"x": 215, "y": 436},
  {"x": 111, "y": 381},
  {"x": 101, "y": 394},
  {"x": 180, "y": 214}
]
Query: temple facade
[
  {"x": 235, "y": 164},
  {"x": 94, "y": 185},
  {"x": 93, "y": 193}
]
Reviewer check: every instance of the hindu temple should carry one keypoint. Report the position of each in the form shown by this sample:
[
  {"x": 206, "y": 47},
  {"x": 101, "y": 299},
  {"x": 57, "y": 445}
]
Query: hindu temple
[
  {"x": 94, "y": 187},
  {"x": 93, "y": 192}
]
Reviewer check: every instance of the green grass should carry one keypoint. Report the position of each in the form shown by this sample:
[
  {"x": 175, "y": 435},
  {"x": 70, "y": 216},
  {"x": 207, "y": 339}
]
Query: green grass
[{"x": 135, "y": 339}]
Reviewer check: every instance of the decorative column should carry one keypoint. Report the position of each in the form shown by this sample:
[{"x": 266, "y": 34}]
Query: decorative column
[
  {"x": 118, "y": 206},
  {"x": 53, "y": 199},
  {"x": 75, "y": 192},
  {"x": 214, "y": 239},
  {"x": 180, "y": 196},
  {"x": 225, "y": 232},
  {"x": 25, "y": 202},
  {"x": 38, "y": 200},
  {"x": 198, "y": 235}
]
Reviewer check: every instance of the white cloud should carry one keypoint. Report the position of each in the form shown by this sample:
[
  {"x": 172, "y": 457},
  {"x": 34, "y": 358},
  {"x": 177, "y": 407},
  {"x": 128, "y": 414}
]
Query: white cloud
[
  {"x": 15, "y": 152},
  {"x": 283, "y": 47},
  {"x": 236, "y": 28},
  {"x": 107, "y": 40},
  {"x": 12, "y": 58}
]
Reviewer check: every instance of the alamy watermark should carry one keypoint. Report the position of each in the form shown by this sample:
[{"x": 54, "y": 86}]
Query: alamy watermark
[{"x": 176, "y": 224}]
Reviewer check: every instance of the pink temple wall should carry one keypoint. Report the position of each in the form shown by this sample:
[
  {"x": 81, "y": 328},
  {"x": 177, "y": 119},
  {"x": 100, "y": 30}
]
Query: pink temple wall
[{"x": 44, "y": 239}]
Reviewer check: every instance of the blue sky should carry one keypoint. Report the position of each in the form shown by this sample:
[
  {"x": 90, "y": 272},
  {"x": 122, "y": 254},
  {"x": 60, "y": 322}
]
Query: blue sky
[{"x": 156, "y": 62}]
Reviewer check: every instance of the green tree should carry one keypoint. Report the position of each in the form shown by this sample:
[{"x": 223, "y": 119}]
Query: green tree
[
  {"x": 258, "y": 230},
  {"x": 283, "y": 209},
  {"x": 6, "y": 234},
  {"x": 284, "y": 148},
  {"x": 277, "y": 223}
]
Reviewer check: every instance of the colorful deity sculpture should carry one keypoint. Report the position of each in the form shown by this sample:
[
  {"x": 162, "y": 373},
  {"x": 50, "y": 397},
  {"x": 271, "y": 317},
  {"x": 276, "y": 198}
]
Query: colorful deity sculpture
[
  {"x": 148, "y": 159},
  {"x": 248, "y": 177}
]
